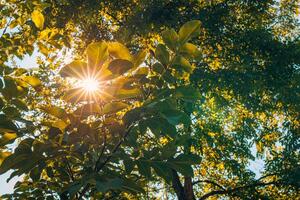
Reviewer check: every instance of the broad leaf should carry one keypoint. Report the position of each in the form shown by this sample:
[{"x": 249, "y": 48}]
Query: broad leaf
[
  {"x": 162, "y": 54},
  {"x": 181, "y": 63},
  {"x": 55, "y": 111},
  {"x": 189, "y": 30},
  {"x": 97, "y": 53},
  {"x": 113, "y": 107},
  {"x": 118, "y": 50},
  {"x": 38, "y": 19},
  {"x": 190, "y": 50},
  {"x": 176, "y": 117},
  {"x": 31, "y": 80},
  {"x": 76, "y": 69},
  {"x": 120, "y": 66},
  {"x": 170, "y": 38}
]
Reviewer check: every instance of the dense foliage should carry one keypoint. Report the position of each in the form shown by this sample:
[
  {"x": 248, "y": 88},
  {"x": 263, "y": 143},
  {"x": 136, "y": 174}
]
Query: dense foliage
[{"x": 191, "y": 94}]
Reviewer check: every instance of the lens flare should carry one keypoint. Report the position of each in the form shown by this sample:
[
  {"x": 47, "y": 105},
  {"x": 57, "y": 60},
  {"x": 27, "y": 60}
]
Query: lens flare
[{"x": 90, "y": 84}]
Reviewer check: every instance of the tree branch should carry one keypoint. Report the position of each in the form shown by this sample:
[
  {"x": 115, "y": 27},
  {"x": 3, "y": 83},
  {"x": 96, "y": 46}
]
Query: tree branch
[
  {"x": 107, "y": 159},
  {"x": 210, "y": 182},
  {"x": 176, "y": 184},
  {"x": 234, "y": 190}
]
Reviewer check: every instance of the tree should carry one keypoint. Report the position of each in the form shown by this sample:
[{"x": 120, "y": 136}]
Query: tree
[{"x": 187, "y": 117}]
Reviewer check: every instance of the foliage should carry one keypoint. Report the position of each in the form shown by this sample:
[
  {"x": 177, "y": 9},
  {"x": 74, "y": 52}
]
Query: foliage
[{"x": 186, "y": 110}]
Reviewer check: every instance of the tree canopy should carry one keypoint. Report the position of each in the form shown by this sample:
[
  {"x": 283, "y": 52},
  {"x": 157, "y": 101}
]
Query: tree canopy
[{"x": 150, "y": 99}]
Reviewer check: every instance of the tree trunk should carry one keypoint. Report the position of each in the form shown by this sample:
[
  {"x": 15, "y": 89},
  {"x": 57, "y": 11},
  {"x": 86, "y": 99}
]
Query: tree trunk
[{"x": 185, "y": 192}]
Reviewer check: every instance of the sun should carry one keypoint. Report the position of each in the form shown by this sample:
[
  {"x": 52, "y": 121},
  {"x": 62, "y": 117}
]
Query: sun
[{"x": 90, "y": 84}]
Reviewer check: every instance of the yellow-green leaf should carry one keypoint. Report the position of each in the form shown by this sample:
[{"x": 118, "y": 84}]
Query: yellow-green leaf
[
  {"x": 55, "y": 111},
  {"x": 139, "y": 58},
  {"x": 190, "y": 50},
  {"x": 188, "y": 30},
  {"x": 118, "y": 50},
  {"x": 97, "y": 53},
  {"x": 182, "y": 64},
  {"x": 38, "y": 19},
  {"x": 113, "y": 107},
  {"x": 3, "y": 155},
  {"x": 128, "y": 93},
  {"x": 31, "y": 80},
  {"x": 76, "y": 69},
  {"x": 170, "y": 38},
  {"x": 7, "y": 138}
]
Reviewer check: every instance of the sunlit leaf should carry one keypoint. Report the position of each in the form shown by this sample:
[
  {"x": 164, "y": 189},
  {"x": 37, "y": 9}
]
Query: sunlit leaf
[
  {"x": 31, "y": 80},
  {"x": 55, "y": 111},
  {"x": 170, "y": 38},
  {"x": 77, "y": 69},
  {"x": 3, "y": 155},
  {"x": 118, "y": 50},
  {"x": 97, "y": 53},
  {"x": 189, "y": 30},
  {"x": 181, "y": 63},
  {"x": 139, "y": 58},
  {"x": 113, "y": 107},
  {"x": 190, "y": 50},
  {"x": 7, "y": 138},
  {"x": 38, "y": 19}
]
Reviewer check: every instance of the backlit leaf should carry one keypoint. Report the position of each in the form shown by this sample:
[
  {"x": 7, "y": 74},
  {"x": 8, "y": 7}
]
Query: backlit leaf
[
  {"x": 189, "y": 30},
  {"x": 38, "y": 19},
  {"x": 76, "y": 69},
  {"x": 170, "y": 38},
  {"x": 97, "y": 53},
  {"x": 120, "y": 66},
  {"x": 118, "y": 50}
]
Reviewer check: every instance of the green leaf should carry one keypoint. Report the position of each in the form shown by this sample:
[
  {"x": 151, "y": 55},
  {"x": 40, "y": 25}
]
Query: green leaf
[
  {"x": 97, "y": 54},
  {"x": 176, "y": 117},
  {"x": 189, "y": 30},
  {"x": 187, "y": 93},
  {"x": 129, "y": 165},
  {"x": 20, "y": 104},
  {"x": 109, "y": 184},
  {"x": 113, "y": 107},
  {"x": 190, "y": 159},
  {"x": 144, "y": 168},
  {"x": 181, "y": 63},
  {"x": 190, "y": 50},
  {"x": 76, "y": 69},
  {"x": 132, "y": 186},
  {"x": 38, "y": 19},
  {"x": 120, "y": 66},
  {"x": 139, "y": 58},
  {"x": 128, "y": 93},
  {"x": 158, "y": 68},
  {"x": 162, "y": 54},
  {"x": 11, "y": 112},
  {"x": 53, "y": 132},
  {"x": 12, "y": 161},
  {"x": 170, "y": 38},
  {"x": 162, "y": 170},
  {"x": 184, "y": 169},
  {"x": 6, "y": 125},
  {"x": 118, "y": 50}
]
